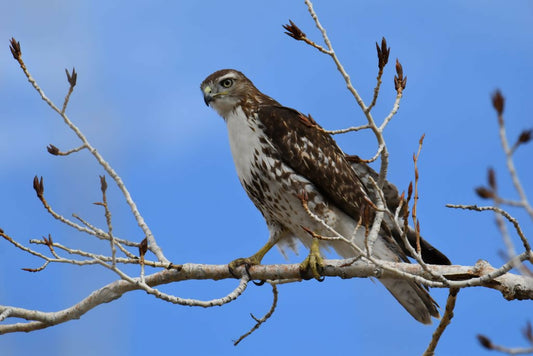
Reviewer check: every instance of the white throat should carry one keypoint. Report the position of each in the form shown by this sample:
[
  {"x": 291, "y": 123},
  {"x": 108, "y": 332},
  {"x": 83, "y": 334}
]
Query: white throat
[
  {"x": 224, "y": 106},
  {"x": 244, "y": 137}
]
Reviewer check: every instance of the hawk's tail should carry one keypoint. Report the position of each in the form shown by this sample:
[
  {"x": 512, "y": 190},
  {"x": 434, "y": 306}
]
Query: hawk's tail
[{"x": 413, "y": 297}]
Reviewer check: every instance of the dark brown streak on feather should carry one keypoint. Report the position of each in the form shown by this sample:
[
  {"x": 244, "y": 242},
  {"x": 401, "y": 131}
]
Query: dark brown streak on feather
[
  {"x": 321, "y": 162},
  {"x": 327, "y": 167}
]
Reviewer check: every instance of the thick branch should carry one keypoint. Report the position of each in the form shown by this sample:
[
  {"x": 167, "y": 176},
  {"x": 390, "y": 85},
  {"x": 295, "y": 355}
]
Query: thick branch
[{"x": 510, "y": 285}]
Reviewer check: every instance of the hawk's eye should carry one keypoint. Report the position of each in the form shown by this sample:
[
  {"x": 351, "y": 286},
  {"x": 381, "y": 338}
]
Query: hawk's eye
[{"x": 226, "y": 83}]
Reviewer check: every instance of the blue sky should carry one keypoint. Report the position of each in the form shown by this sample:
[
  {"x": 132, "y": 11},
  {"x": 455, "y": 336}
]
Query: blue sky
[{"x": 140, "y": 65}]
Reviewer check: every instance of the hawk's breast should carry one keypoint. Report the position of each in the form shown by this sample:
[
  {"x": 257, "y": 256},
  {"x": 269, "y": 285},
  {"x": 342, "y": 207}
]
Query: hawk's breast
[
  {"x": 272, "y": 185},
  {"x": 275, "y": 188},
  {"x": 247, "y": 141}
]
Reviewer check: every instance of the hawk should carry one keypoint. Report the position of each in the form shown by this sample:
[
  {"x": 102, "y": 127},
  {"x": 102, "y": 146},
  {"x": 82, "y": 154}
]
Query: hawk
[{"x": 304, "y": 185}]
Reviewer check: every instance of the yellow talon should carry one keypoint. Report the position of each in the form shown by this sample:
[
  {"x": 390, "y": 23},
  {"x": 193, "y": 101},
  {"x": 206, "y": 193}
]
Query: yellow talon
[
  {"x": 253, "y": 260},
  {"x": 313, "y": 264}
]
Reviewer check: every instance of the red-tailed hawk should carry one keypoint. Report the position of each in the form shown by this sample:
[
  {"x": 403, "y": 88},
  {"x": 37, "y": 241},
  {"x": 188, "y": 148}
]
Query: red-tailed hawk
[{"x": 282, "y": 156}]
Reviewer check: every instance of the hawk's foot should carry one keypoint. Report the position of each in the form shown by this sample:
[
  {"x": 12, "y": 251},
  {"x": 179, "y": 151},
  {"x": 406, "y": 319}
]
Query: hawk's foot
[
  {"x": 253, "y": 260},
  {"x": 313, "y": 265},
  {"x": 245, "y": 261}
]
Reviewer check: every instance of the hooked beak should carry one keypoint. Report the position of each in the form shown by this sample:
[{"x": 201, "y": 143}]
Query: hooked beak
[{"x": 208, "y": 96}]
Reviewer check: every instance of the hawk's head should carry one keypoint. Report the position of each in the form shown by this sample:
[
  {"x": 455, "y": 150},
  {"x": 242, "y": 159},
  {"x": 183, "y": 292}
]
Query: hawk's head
[{"x": 226, "y": 89}]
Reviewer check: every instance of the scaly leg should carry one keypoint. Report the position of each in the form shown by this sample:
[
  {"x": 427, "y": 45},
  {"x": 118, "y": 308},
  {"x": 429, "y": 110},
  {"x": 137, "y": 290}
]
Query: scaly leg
[
  {"x": 313, "y": 264},
  {"x": 255, "y": 259}
]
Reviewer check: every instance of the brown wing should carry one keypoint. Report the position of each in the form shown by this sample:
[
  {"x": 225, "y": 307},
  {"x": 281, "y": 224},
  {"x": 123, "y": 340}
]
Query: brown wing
[{"x": 313, "y": 154}]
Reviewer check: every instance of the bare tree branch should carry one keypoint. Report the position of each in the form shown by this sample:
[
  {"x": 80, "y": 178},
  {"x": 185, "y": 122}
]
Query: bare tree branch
[
  {"x": 498, "y": 103},
  {"x": 17, "y": 54},
  {"x": 482, "y": 274},
  {"x": 264, "y": 318},
  {"x": 528, "y": 335},
  {"x": 455, "y": 277},
  {"x": 445, "y": 321}
]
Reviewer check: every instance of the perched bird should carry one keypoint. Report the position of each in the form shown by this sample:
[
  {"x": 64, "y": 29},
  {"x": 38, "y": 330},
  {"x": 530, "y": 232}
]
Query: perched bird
[{"x": 304, "y": 184}]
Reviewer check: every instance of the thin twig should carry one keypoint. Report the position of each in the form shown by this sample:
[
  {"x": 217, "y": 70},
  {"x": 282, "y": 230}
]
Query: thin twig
[
  {"x": 528, "y": 335},
  {"x": 394, "y": 110},
  {"x": 332, "y": 54},
  {"x": 317, "y": 46},
  {"x": 93, "y": 256},
  {"x": 118, "y": 242},
  {"x": 57, "y": 152},
  {"x": 107, "y": 214},
  {"x": 506, "y": 236},
  {"x": 514, "y": 203},
  {"x": 502, "y": 212},
  {"x": 445, "y": 321},
  {"x": 416, "y": 222},
  {"x": 383, "y": 57},
  {"x": 513, "y": 350},
  {"x": 371, "y": 123},
  {"x": 154, "y": 247},
  {"x": 91, "y": 230},
  {"x": 509, "y": 156},
  {"x": 21, "y": 246},
  {"x": 376, "y": 90},
  {"x": 71, "y": 77},
  {"x": 373, "y": 234},
  {"x": 264, "y": 318},
  {"x": 349, "y": 129},
  {"x": 375, "y": 157}
]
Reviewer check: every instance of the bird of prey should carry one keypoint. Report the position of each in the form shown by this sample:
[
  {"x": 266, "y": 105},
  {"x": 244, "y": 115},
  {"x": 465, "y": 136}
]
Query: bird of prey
[{"x": 305, "y": 186}]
